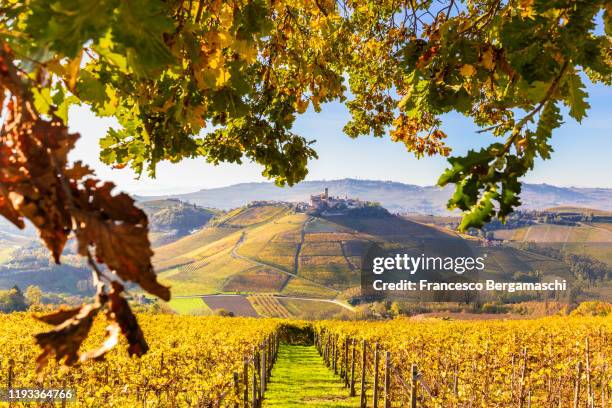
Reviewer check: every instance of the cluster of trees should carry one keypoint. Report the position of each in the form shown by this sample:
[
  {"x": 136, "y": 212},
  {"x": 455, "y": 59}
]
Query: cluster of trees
[
  {"x": 525, "y": 218},
  {"x": 15, "y": 300}
]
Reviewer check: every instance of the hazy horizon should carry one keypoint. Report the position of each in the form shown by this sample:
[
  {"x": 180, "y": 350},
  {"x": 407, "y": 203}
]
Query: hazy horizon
[{"x": 344, "y": 178}]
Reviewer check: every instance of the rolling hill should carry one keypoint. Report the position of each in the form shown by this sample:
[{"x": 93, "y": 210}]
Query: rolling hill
[
  {"x": 396, "y": 197},
  {"x": 23, "y": 260},
  {"x": 264, "y": 249},
  {"x": 272, "y": 249},
  {"x": 588, "y": 238}
]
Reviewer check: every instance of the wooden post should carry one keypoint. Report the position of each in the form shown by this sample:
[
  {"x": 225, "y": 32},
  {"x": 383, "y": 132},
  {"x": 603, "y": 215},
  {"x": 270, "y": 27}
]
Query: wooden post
[
  {"x": 11, "y": 372},
  {"x": 346, "y": 348},
  {"x": 254, "y": 388},
  {"x": 413, "y": 387},
  {"x": 375, "y": 391},
  {"x": 335, "y": 355},
  {"x": 588, "y": 373},
  {"x": 237, "y": 387},
  {"x": 263, "y": 369},
  {"x": 456, "y": 383},
  {"x": 364, "y": 346},
  {"x": 353, "y": 371},
  {"x": 577, "y": 388},
  {"x": 387, "y": 380},
  {"x": 523, "y": 375},
  {"x": 245, "y": 374},
  {"x": 63, "y": 405},
  {"x": 328, "y": 350}
]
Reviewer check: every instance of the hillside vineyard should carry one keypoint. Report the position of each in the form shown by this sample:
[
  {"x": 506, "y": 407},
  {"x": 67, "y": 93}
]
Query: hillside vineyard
[{"x": 201, "y": 361}]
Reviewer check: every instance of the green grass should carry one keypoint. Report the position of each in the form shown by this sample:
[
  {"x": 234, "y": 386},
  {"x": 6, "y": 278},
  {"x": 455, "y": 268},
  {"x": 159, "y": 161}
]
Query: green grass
[
  {"x": 300, "y": 378},
  {"x": 189, "y": 306}
]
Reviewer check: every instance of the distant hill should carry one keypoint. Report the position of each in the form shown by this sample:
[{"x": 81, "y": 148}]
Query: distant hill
[
  {"x": 170, "y": 219},
  {"x": 396, "y": 197},
  {"x": 24, "y": 261}
]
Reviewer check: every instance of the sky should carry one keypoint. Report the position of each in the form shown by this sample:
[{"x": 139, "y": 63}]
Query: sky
[{"x": 582, "y": 157}]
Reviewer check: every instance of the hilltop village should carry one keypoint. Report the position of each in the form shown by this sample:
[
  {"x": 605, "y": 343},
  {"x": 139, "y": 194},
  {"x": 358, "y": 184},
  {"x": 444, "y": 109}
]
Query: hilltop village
[{"x": 323, "y": 204}]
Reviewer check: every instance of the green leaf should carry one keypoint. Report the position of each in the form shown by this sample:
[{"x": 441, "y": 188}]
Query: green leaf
[
  {"x": 138, "y": 30},
  {"x": 66, "y": 25},
  {"x": 576, "y": 96},
  {"x": 42, "y": 100},
  {"x": 481, "y": 213}
]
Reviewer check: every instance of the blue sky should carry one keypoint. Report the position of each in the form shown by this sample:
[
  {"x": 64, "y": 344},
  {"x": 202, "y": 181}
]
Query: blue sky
[{"x": 582, "y": 157}]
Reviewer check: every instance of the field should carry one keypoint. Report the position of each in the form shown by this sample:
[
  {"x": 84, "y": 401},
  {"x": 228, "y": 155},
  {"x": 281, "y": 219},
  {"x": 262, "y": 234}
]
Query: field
[
  {"x": 190, "y": 306},
  {"x": 236, "y": 304},
  {"x": 269, "y": 306},
  {"x": 193, "y": 361}
]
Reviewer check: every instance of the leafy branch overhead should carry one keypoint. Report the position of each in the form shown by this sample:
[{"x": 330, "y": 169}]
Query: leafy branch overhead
[
  {"x": 225, "y": 81},
  {"x": 38, "y": 184}
]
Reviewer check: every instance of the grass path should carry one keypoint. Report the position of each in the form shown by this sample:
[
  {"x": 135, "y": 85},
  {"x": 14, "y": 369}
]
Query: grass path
[{"x": 300, "y": 378}]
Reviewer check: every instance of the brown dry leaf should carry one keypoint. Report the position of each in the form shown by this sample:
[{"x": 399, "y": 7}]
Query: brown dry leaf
[
  {"x": 34, "y": 153},
  {"x": 78, "y": 171},
  {"x": 8, "y": 212},
  {"x": 65, "y": 339},
  {"x": 59, "y": 316},
  {"x": 119, "y": 232},
  {"x": 120, "y": 311}
]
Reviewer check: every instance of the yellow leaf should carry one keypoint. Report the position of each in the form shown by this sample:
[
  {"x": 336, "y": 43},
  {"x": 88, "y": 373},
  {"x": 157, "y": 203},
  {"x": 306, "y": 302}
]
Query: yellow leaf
[
  {"x": 247, "y": 52},
  {"x": 73, "y": 70},
  {"x": 467, "y": 70},
  {"x": 488, "y": 59},
  {"x": 217, "y": 60},
  {"x": 301, "y": 105},
  {"x": 222, "y": 77}
]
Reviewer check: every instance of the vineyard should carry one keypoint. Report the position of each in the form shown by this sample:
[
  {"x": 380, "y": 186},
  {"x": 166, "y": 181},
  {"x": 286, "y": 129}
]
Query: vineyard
[
  {"x": 553, "y": 362},
  {"x": 227, "y": 362},
  {"x": 190, "y": 363}
]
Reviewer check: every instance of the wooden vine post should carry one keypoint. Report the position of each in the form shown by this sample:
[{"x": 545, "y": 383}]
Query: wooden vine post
[
  {"x": 346, "y": 364},
  {"x": 263, "y": 368},
  {"x": 577, "y": 387},
  {"x": 387, "y": 380},
  {"x": 353, "y": 370},
  {"x": 413, "y": 387},
  {"x": 364, "y": 346},
  {"x": 245, "y": 375},
  {"x": 11, "y": 372},
  {"x": 237, "y": 388},
  {"x": 375, "y": 391}
]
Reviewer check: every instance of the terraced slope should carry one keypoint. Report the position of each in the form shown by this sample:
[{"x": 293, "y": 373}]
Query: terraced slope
[
  {"x": 270, "y": 249},
  {"x": 594, "y": 239}
]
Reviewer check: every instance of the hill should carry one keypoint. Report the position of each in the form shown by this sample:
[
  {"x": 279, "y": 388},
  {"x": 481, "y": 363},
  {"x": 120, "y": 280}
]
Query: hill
[
  {"x": 171, "y": 219},
  {"x": 395, "y": 196},
  {"x": 23, "y": 260},
  {"x": 273, "y": 249}
]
